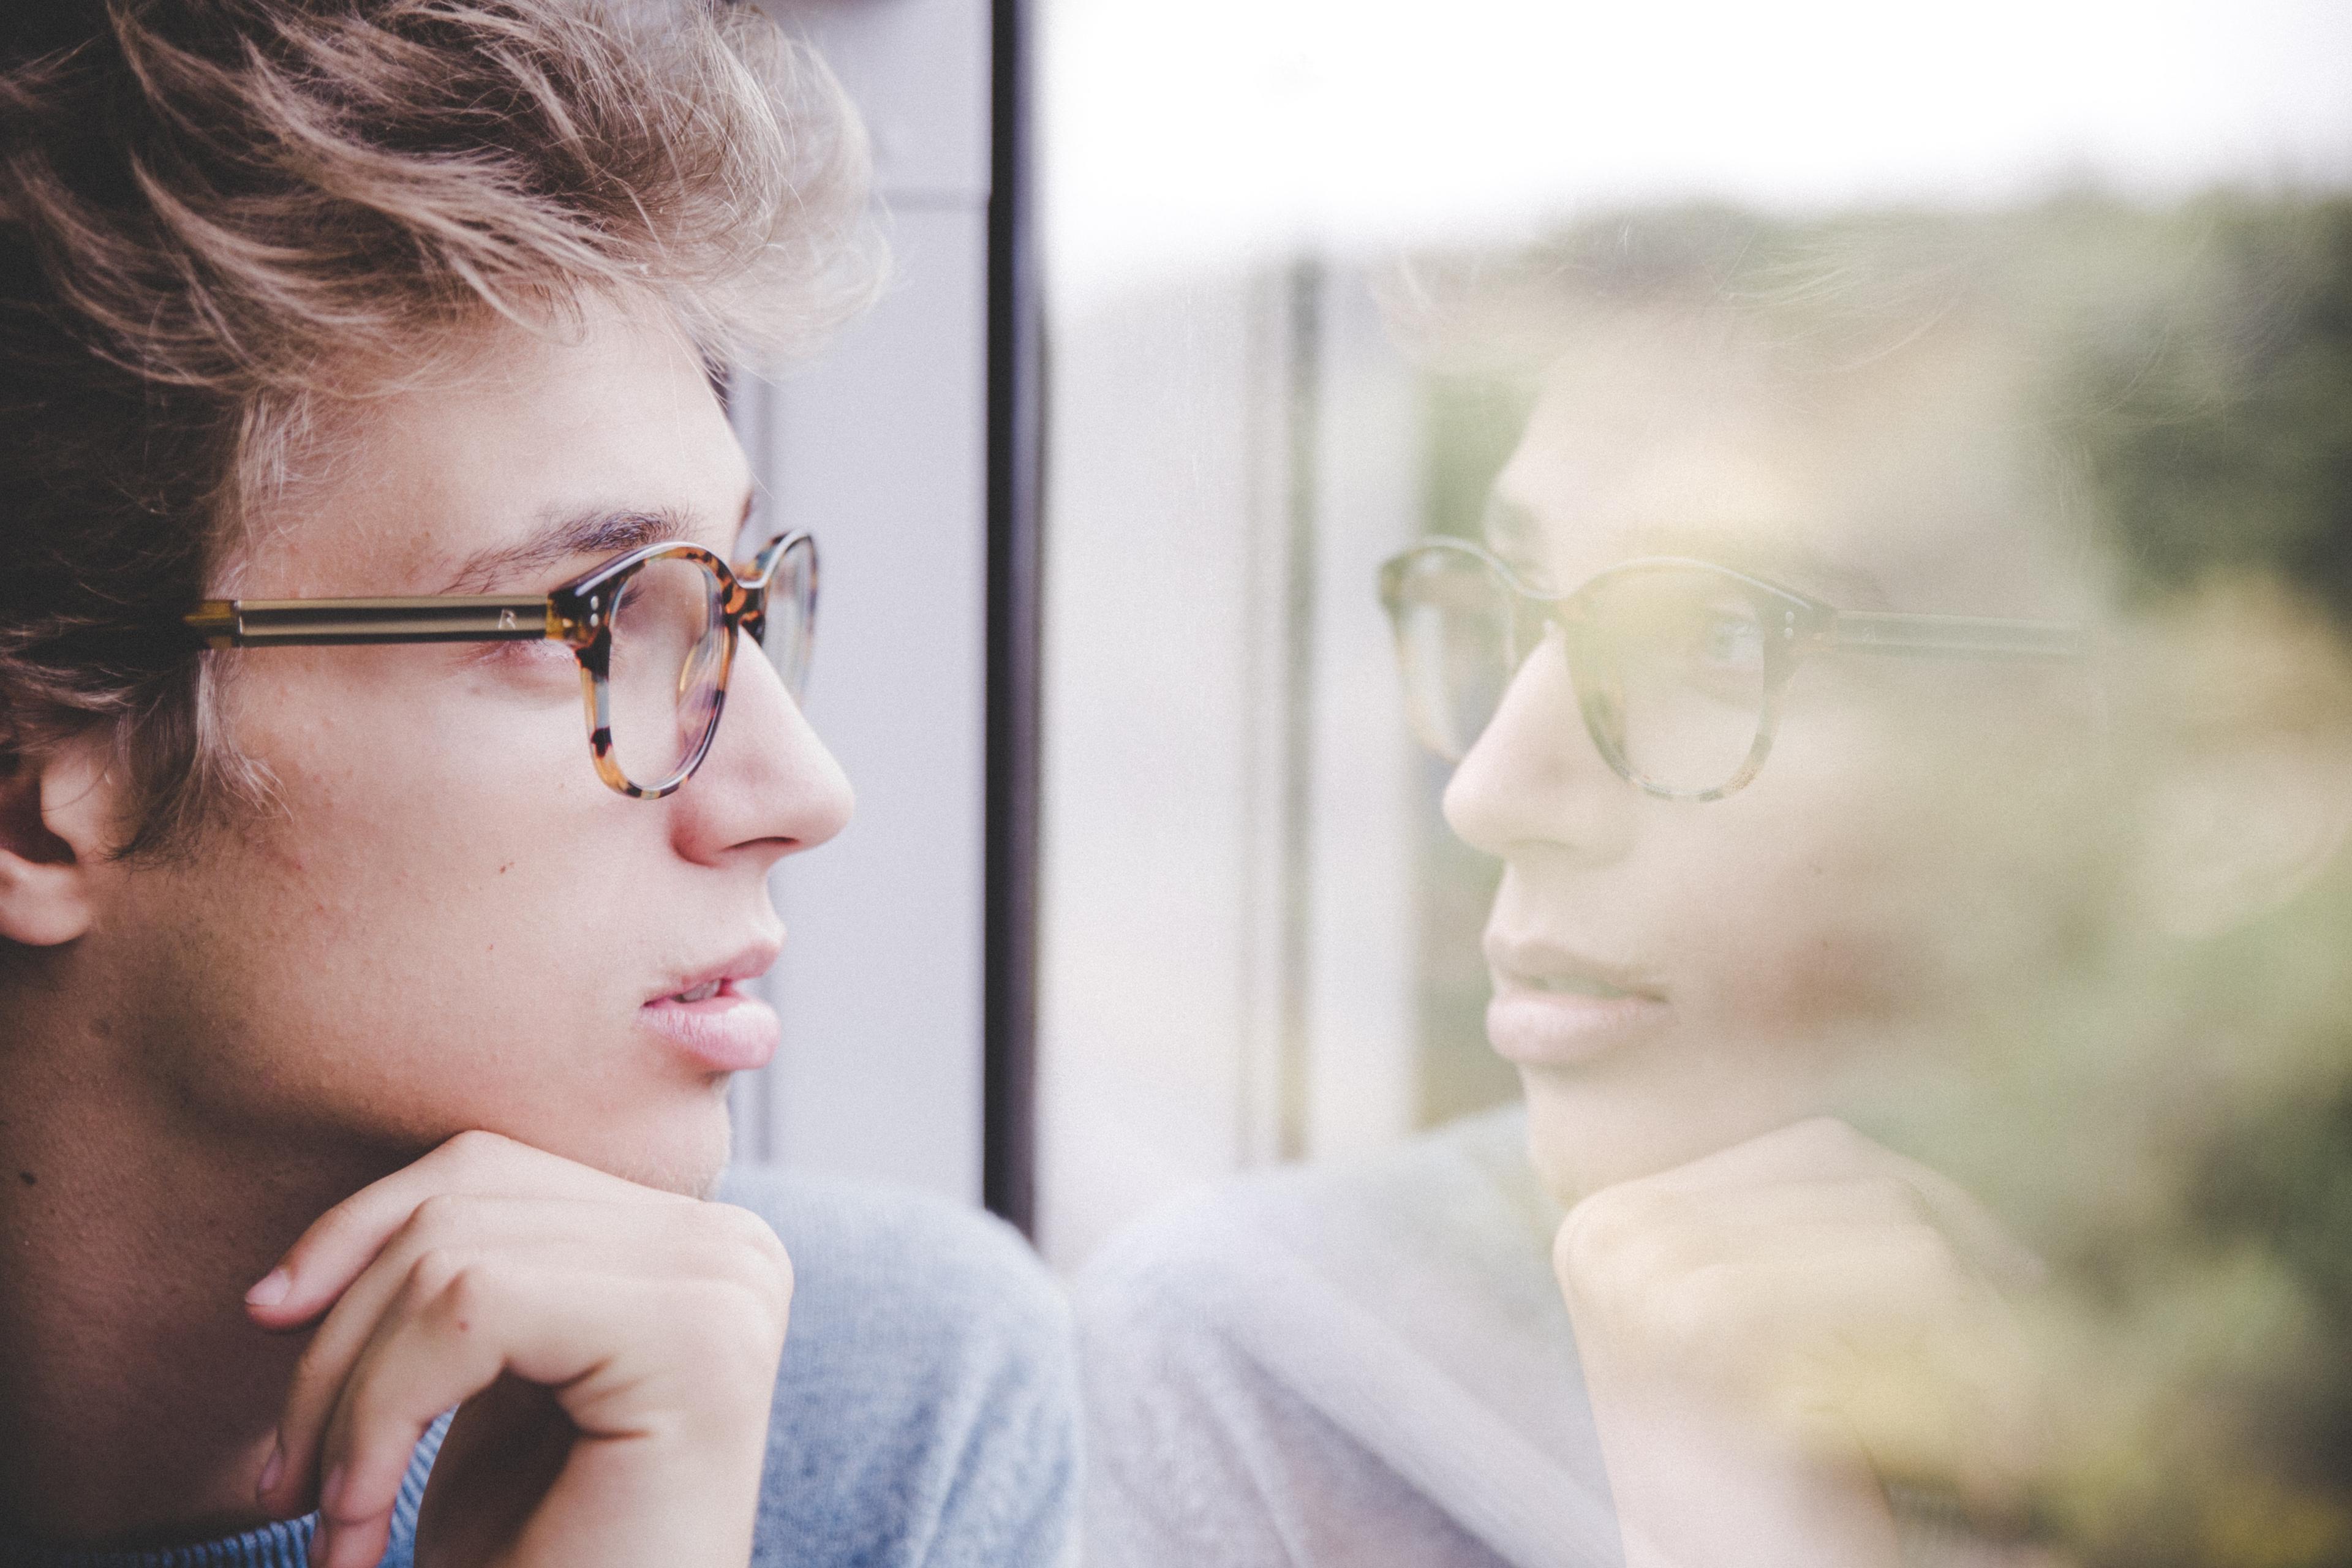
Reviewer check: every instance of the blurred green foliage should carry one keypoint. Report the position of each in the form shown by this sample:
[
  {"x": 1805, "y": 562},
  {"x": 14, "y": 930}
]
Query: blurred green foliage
[{"x": 2219, "y": 426}]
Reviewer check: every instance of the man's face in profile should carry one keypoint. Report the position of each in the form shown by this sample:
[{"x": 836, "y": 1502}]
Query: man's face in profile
[
  {"x": 442, "y": 918},
  {"x": 1675, "y": 977}
]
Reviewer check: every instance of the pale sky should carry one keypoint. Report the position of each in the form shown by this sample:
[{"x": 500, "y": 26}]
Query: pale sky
[{"x": 1192, "y": 137}]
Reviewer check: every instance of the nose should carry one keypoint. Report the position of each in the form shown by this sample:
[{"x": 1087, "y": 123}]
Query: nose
[
  {"x": 767, "y": 787},
  {"x": 1534, "y": 779}
]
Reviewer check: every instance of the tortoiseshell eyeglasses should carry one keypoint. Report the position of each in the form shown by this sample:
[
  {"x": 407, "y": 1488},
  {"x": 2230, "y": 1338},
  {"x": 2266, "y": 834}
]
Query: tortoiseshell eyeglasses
[
  {"x": 1678, "y": 665},
  {"x": 654, "y": 630}
]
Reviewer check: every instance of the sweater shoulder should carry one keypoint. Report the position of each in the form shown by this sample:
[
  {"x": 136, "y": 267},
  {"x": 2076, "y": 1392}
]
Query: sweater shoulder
[{"x": 927, "y": 1408}]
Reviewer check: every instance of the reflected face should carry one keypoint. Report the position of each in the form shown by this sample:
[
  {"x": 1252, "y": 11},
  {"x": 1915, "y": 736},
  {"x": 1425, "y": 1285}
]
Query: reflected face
[
  {"x": 1674, "y": 977},
  {"x": 443, "y": 919}
]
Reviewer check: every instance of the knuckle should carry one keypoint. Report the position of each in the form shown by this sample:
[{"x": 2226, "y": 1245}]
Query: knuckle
[
  {"x": 758, "y": 1240},
  {"x": 440, "y": 1214},
  {"x": 1693, "y": 1308},
  {"x": 740, "y": 1225},
  {"x": 1907, "y": 1202},
  {"x": 474, "y": 1148},
  {"x": 1587, "y": 1240},
  {"x": 736, "y": 1331},
  {"x": 753, "y": 1249},
  {"x": 773, "y": 1278},
  {"x": 1831, "y": 1135},
  {"x": 1606, "y": 1233},
  {"x": 435, "y": 1273},
  {"x": 1923, "y": 1249},
  {"x": 469, "y": 1291}
]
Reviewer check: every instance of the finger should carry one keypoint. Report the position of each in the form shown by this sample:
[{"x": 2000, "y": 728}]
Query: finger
[
  {"x": 635, "y": 1241},
  {"x": 607, "y": 1349},
  {"x": 1625, "y": 1238},
  {"x": 449, "y": 1231},
  {"x": 1641, "y": 1235},
  {"x": 1962, "y": 1410},
  {"x": 381, "y": 1412},
  {"x": 340, "y": 1243},
  {"x": 1740, "y": 1213},
  {"x": 1916, "y": 1357},
  {"x": 1736, "y": 1321}
]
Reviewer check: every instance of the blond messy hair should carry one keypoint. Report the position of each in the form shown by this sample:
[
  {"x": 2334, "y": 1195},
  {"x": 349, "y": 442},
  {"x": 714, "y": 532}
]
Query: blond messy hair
[{"x": 220, "y": 217}]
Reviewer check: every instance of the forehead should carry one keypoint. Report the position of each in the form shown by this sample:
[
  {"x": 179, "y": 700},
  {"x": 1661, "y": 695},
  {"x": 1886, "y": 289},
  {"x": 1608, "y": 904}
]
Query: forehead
[
  {"x": 414, "y": 485},
  {"x": 1917, "y": 477}
]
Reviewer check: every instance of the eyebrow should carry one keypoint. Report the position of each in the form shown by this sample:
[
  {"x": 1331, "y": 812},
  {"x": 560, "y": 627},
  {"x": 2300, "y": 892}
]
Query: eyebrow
[
  {"x": 1515, "y": 533},
  {"x": 600, "y": 532}
]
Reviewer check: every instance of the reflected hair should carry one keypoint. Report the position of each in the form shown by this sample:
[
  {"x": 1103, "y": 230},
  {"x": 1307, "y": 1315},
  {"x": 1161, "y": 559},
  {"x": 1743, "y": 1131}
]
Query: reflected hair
[
  {"x": 2185, "y": 369},
  {"x": 221, "y": 221}
]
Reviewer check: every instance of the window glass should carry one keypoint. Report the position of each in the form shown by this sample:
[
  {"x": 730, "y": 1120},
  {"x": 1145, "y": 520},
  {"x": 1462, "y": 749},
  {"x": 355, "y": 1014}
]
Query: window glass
[{"x": 1827, "y": 1021}]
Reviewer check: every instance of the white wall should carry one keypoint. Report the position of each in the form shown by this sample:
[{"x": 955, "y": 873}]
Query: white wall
[{"x": 878, "y": 448}]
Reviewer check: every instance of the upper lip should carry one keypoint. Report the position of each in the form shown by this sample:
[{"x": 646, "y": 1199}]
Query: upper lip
[
  {"x": 1538, "y": 964},
  {"x": 748, "y": 963}
]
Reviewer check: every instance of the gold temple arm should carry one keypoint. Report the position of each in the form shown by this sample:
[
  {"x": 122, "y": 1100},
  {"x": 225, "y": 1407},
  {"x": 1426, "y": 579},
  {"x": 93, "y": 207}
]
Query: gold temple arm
[{"x": 317, "y": 623}]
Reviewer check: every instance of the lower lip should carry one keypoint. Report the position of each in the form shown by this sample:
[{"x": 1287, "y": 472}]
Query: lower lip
[
  {"x": 1534, "y": 1028},
  {"x": 726, "y": 1033}
]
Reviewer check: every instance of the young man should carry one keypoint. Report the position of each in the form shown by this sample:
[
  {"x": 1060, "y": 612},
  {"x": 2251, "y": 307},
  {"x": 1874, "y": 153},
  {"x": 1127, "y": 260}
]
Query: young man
[
  {"x": 366, "y": 1018},
  {"x": 1835, "y": 786}
]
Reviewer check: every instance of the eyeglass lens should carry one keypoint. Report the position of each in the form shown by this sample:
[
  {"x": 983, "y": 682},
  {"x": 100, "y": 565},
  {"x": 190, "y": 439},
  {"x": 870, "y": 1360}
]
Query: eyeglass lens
[
  {"x": 792, "y": 603},
  {"x": 668, "y": 646},
  {"x": 1674, "y": 661},
  {"x": 1669, "y": 664}
]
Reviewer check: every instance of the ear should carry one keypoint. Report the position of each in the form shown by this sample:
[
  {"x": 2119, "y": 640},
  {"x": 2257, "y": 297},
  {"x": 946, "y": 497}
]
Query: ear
[
  {"x": 56, "y": 814},
  {"x": 2238, "y": 830}
]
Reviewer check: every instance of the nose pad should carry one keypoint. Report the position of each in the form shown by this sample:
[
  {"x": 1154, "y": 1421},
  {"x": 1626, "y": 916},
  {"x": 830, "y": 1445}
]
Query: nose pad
[{"x": 1534, "y": 774}]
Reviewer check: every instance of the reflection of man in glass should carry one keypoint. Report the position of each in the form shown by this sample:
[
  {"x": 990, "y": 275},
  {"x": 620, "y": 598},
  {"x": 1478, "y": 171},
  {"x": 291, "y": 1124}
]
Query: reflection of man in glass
[
  {"x": 381, "y": 891},
  {"x": 1784, "y": 685}
]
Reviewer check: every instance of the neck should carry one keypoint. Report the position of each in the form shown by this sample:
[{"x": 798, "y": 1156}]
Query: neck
[{"x": 137, "y": 1404}]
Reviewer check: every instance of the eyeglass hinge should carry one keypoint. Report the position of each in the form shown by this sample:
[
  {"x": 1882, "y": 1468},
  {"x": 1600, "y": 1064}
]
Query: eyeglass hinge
[{"x": 215, "y": 621}]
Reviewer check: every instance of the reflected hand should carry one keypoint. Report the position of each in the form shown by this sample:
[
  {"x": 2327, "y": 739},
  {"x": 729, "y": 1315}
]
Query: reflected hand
[
  {"x": 613, "y": 1351},
  {"x": 1774, "y": 1332}
]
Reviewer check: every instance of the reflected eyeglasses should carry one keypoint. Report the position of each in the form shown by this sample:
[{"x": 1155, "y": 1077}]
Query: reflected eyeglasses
[
  {"x": 654, "y": 630},
  {"x": 1678, "y": 665}
]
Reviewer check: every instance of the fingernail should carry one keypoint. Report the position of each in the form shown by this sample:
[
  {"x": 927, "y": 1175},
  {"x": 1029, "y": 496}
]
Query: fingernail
[
  {"x": 271, "y": 1289},
  {"x": 272, "y": 1470}
]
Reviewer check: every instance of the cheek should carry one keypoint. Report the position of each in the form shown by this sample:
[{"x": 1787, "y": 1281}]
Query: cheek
[
  {"x": 1809, "y": 922},
  {"x": 411, "y": 934},
  {"x": 411, "y": 816},
  {"x": 1897, "y": 853}
]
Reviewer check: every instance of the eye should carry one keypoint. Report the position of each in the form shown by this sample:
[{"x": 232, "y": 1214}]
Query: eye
[{"x": 1731, "y": 639}]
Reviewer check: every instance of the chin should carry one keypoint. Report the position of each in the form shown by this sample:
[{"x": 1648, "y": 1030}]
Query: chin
[
  {"x": 1582, "y": 1138},
  {"x": 1591, "y": 1129},
  {"x": 689, "y": 1163},
  {"x": 683, "y": 1149}
]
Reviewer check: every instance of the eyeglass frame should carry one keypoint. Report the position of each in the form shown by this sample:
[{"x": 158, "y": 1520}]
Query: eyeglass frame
[
  {"x": 1805, "y": 625},
  {"x": 578, "y": 613}
]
